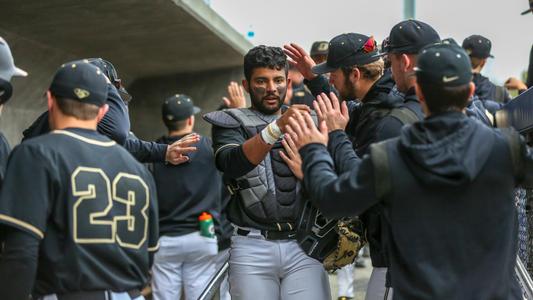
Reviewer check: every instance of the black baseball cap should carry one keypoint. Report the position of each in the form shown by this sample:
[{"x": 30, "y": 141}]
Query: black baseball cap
[
  {"x": 319, "y": 48},
  {"x": 111, "y": 72},
  {"x": 80, "y": 81},
  {"x": 410, "y": 36},
  {"x": 530, "y": 8},
  {"x": 477, "y": 46},
  {"x": 349, "y": 49},
  {"x": 444, "y": 65},
  {"x": 178, "y": 107}
]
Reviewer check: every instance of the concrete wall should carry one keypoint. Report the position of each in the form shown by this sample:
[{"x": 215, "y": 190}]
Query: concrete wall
[
  {"x": 205, "y": 88},
  {"x": 160, "y": 47}
]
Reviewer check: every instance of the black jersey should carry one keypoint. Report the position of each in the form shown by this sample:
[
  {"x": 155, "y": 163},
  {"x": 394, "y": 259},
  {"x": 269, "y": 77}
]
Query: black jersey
[
  {"x": 92, "y": 204},
  {"x": 4, "y": 153}
]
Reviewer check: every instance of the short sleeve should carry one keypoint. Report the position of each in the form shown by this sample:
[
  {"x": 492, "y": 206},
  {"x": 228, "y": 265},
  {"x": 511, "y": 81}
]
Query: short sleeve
[{"x": 27, "y": 190}]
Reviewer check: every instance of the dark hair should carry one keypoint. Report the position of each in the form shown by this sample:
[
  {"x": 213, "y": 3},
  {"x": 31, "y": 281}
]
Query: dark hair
[
  {"x": 175, "y": 125},
  {"x": 77, "y": 109},
  {"x": 265, "y": 57},
  {"x": 441, "y": 99}
]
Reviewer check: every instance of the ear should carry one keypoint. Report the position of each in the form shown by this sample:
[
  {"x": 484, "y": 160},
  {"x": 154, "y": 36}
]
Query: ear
[
  {"x": 472, "y": 90},
  {"x": 49, "y": 100},
  {"x": 190, "y": 121},
  {"x": 246, "y": 85},
  {"x": 289, "y": 81},
  {"x": 422, "y": 100},
  {"x": 101, "y": 112},
  {"x": 406, "y": 62},
  {"x": 355, "y": 75}
]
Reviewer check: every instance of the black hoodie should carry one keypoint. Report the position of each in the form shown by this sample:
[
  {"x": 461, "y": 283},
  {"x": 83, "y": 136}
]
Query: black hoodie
[{"x": 452, "y": 221}]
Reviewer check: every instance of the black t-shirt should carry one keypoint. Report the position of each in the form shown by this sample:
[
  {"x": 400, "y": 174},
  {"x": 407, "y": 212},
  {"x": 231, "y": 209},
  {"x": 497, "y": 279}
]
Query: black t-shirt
[
  {"x": 92, "y": 205},
  {"x": 186, "y": 190}
]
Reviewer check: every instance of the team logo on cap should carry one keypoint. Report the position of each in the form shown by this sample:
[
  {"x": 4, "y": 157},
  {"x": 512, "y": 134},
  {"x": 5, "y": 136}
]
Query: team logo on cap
[
  {"x": 370, "y": 45},
  {"x": 81, "y": 93},
  {"x": 322, "y": 47}
]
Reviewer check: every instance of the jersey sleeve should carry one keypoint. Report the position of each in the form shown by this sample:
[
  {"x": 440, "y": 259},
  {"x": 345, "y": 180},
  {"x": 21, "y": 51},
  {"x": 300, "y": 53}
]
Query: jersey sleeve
[
  {"x": 153, "y": 217},
  {"x": 27, "y": 188}
]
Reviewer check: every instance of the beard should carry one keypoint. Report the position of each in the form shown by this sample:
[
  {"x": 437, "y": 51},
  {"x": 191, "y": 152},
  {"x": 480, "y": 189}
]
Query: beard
[
  {"x": 260, "y": 100},
  {"x": 348, "y": 91}
]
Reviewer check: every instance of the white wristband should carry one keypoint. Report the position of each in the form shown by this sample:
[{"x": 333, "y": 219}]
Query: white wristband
[{"x": 271, "y": 133}]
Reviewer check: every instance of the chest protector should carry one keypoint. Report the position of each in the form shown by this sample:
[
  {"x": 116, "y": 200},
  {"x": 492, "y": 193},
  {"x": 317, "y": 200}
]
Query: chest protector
[{"x": 269, "y": 193}]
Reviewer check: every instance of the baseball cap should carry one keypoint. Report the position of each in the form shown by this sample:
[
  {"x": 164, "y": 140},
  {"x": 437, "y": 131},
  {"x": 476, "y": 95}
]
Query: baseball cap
[
  {"x": 111, "y": 73},
  {"x": 319, "y": 48},
  {"x": 410, "y": 36},
  {"x": 443, "y": 64},
  {"x": 178, "y": 107},
  {"x": 80, "y": 81},
  {"x": 7, "y": 64},
  {"x": 530, "y": 8},
  {"x": 477, "y": 46},
  {"x": 349, "y": 49}
]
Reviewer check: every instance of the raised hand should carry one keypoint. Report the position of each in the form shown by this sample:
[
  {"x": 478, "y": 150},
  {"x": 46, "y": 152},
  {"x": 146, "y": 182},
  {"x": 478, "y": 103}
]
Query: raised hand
[
  {"x": 300, "y": 59},
  {"x": 329, "y": 109},
  {"x": 236, "y": 98},
  {"x": 293, "y": 109},
  {"x": 177, "y": 151},
  {"x": 303, "y": 131},
  {"x": 292, "y": 157}
]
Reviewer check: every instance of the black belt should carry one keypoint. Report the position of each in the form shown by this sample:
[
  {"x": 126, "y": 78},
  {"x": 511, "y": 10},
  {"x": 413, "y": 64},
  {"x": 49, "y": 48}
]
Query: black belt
[
  {"x": 95, "y": 295},
  {"x": 270, "y": 234}
]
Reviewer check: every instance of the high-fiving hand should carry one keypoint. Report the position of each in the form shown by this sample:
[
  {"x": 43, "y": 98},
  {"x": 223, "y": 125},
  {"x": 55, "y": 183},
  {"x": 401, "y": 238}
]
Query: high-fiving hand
[
  {"x": 303, "y": 131},
  {"x": 329, "y": 109},
  {"x": 292, "y": 158},
  {"x": 177, "y": 151},
  {"x": 300, "y": 60},
  {"x": 236, "y": 98}
]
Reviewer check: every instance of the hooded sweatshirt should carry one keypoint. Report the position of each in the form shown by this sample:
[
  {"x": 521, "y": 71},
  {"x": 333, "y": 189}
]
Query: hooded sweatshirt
[{"x": 452, "y": 224}]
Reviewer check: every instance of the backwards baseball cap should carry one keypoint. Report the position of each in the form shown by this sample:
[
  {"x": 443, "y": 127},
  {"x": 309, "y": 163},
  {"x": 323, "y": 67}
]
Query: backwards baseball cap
[
  {"x": 530, "y": 8},
  {"x": 319, "y": 48},
  {"x": 410, "y": 36},
  {"x": 477, "y": 46},
  {"x": 444, "y": 65},
  {"x": 80, "y": 81},
  {"x": 7, "y": 64},
  {"x": 178, "y": 107},
  {"x": 349, "y": 49}
]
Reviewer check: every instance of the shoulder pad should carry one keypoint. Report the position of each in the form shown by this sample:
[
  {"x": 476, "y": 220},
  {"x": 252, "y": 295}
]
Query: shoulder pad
[{"x": 222, "y": 119}]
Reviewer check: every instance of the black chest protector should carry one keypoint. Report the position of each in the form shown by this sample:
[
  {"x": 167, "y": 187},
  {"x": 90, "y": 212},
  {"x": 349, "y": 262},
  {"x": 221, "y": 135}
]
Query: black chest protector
[{"x": 269, "y": 193}]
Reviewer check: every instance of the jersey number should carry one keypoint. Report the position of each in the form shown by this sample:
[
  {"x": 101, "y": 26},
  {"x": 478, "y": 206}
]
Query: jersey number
[{"x": 109, "y": 212}]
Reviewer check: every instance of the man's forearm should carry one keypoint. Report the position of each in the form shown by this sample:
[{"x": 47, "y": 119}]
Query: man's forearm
[
  {"x": 255, "y": 149},
  {"x": 341, "y": 150}
]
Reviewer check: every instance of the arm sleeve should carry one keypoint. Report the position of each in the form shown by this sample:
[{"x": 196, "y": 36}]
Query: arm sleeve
[
  {"x": 26, "y": 191},
  {"x": 229, "y": 155},
  {"x": 349, "y": 194},
  {"x": 145, "y": 151},
  {"x": 341, "y": 150},
  {"x": 116, "y": 122},
  {"x": 319, "y": 84},
  {"x": 20, "y": 254},
  {"x": 153, "y": 231}
]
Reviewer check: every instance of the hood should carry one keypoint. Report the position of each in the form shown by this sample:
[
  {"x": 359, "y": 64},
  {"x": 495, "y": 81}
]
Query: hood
[
  {"x": 484, "y": 88},
  {"x": 445, "y": 149}
]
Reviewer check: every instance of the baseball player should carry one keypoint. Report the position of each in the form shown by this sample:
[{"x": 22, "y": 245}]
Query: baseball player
[
  {"x": 186, "y": 259},
  {"x": 116, "y": 125},
  {"x": 265, "y": 262},
  {"x": 78, "y": 212},
  {"x": 7, "y": 71}
]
